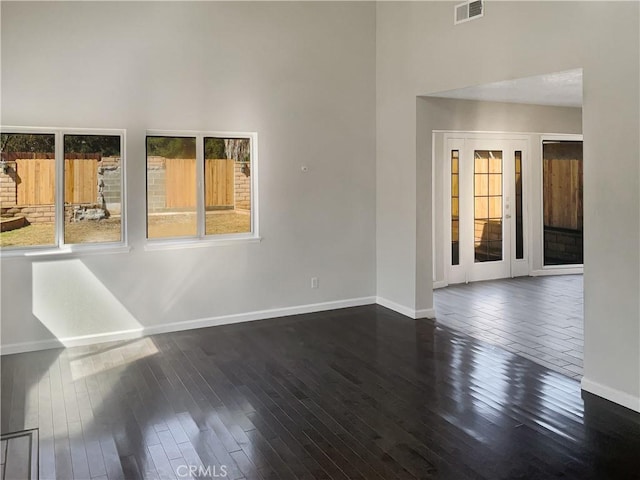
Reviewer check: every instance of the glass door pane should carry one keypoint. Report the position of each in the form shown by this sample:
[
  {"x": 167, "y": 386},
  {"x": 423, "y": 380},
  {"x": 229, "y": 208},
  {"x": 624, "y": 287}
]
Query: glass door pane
[
  {"x": 488, "y": 206},
  {"x": 518, "y": 209},
  {"x": 455, "y": 207}
]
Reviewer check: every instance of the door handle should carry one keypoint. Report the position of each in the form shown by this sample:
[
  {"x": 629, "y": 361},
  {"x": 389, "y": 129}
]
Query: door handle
[{"x": 507, "y": 216}]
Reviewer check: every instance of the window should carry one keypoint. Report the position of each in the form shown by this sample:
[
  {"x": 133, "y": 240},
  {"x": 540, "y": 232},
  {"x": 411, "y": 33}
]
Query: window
[
  {"x": 92, "y": 189},
  {"x": 61, "y": 188},
  {"x": 562, "y": 202},
  {"x": 27, "y": 189},
  {"x": 200, "y": 185},
  {"x": 171, "y": 187}
]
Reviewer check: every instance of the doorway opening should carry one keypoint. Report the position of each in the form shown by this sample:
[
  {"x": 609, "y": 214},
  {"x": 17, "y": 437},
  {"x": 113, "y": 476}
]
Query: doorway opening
[
  {"x": 507, "y": 210},
  {"x": 511, "y": 223}
]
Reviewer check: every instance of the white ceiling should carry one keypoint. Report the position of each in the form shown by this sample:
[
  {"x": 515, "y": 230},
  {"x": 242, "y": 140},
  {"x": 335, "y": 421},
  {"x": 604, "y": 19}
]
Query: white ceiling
[{"x": 562, "y": 89}]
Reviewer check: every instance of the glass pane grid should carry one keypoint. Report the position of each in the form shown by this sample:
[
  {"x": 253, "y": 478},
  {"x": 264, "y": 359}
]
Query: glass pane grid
[{"x": 487, "y": 205}]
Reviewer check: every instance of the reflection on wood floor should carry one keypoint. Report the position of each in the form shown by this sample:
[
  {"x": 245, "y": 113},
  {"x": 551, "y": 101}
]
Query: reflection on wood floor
[
  {"x": 539, "y": 318},
  {"x": 355, "y": 393}
]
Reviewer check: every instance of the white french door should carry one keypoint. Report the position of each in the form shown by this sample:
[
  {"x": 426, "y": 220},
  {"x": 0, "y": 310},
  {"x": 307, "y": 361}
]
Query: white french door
[{"x": 486, "y": 208}]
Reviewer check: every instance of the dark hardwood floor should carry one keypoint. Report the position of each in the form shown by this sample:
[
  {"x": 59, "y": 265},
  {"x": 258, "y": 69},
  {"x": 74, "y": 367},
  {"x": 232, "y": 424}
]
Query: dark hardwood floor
[
  {"x": 540, "y": 318},
  {"x": 359, "y": 393}
]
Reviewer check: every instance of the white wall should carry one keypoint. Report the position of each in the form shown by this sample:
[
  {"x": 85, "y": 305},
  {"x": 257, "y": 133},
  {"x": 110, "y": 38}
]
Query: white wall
[
  {"x": 301, "y": 75},
  {"x": 419, "y": 51},
  {"x": 468, "y": 115}
]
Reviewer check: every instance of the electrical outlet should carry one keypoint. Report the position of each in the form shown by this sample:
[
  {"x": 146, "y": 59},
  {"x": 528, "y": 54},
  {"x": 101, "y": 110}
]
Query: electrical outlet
[{"x": 314, "y": 282}]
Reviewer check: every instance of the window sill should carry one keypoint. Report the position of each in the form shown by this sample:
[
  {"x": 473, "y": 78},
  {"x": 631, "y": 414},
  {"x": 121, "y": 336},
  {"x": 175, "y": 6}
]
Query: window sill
[
  {"x": 182, "y": 243},
  {"x": 65, "y": 251}
]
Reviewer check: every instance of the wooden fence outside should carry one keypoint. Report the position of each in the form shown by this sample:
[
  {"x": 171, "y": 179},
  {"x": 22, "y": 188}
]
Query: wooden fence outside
[
  {"x": 563, "y": 194},
  {"x": 36, "y": 179},
  {"x": 219, "y": 182},
  {"x": 181, "y": 185},
  {"x": 81, "y": 178}
]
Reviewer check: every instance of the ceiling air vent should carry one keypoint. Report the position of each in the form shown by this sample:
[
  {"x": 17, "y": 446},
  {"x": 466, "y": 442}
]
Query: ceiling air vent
[{"x": 463, "y": 12}]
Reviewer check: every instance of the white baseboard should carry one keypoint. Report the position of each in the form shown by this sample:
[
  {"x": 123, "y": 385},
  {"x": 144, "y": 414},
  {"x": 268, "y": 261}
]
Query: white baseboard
[
  {"x": 557, "y": 271},
  {"x": 616, "y": 396},
  {"x": 72, "y": 341},
  {"x": 396, "y": 307},
  {"x": 23, "y": 347},
  {"x": 178, "y": 326},
  {"x": 406, "y": 311},
  {"x": 429, "y": 313},
  {"x": 440, "y": 284},
  {"x": 210, "y": 322},
  {"x": 258, "y": 315}
]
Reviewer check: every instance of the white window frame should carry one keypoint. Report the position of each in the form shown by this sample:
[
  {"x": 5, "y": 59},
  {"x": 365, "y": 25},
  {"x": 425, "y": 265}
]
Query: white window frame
[
  {"x": 60, "y": 247},
  {"x": 201, "y": 239}
]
